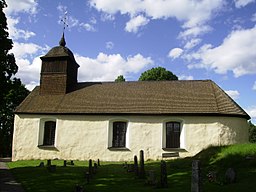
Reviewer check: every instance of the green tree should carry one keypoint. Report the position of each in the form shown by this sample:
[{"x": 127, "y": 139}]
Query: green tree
[
  {"x": 252, "y": 132},
  {"x": 120, "y": 78},
  {"x": 157, "y": 74},
  {"x": 12, "y": 92}
]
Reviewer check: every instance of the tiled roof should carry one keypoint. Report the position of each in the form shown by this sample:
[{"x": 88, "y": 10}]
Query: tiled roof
[{"x": 194, "y": 97}]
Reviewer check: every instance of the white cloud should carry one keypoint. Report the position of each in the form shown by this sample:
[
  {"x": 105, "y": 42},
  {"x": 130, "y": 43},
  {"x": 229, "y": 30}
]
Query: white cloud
[
  {"x": 192, "y": 43},
  {"x": 194, "y": 31},
  {"x": 29, "y": 71},
  {"x": 194, "y": 14},
  {"x": 108, "y": 67},
  {"x": 254, "y": 86},
  {"x": 186, "y": 77},
  {"x": 28, "y": 6},
  {"x": 242, "y": 3},
  {"x": 16, "y": 33},
  {"x": 175, "y": 53},
  {"x": 234, "y": 94},
  {"x": 135, "y": 23},
  {"x": 24, "y": 50},
  {"x": 87, "y": 27},
  {"x": 252, "y": 112},
  {"x": 236, "y": 54},
  {"x": 109, "y": 45}
]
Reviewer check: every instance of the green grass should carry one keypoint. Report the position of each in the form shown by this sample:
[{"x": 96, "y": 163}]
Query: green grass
[{"x": 111, "y": 176}]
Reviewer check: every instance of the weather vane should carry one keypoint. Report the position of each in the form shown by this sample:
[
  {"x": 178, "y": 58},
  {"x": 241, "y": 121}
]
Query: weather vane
[{"x": 64, "y": 21}]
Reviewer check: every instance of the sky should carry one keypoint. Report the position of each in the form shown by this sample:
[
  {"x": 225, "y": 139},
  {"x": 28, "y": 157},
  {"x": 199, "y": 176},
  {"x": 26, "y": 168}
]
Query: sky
[{"x": 195, "y": 39}]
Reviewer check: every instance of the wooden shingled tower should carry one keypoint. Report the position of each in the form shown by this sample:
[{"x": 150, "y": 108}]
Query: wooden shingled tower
[{"x": 58, "y": 71}]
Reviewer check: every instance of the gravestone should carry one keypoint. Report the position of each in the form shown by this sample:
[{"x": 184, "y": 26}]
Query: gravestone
[
  {"x": 41, "y": 164},
  {"x": 142, "y": 168},
  {"x": 136, "y": 167},
  {"x": 95, "y": 167},
  {"x": 90, "y": 167},
  {"x": 98, "y": 162},
  {"x": 49, "y": 162},
  {"x": 163, "y": 176},
  {"x": 64, "y": 163},
  {"x": 196, "y": 180},
  {"x": 230, "y": 176},
  {"x": 72, "y": 163}
]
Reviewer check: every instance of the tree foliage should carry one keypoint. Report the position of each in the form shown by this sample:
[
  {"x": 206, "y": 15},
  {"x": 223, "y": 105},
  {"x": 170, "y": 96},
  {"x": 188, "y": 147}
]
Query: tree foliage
[
  {"x": 12, "y": 92},
  {"x": 252, "y": 133},
  {"x": 157, "y": 74},
  {"x": 120, "y": 78}
]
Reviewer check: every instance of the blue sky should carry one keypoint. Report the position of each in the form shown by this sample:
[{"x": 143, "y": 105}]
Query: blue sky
[{"x": 195, "y": 39}]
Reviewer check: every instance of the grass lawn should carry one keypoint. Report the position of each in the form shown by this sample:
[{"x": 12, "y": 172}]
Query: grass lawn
[{"x": 111, "y": 176}]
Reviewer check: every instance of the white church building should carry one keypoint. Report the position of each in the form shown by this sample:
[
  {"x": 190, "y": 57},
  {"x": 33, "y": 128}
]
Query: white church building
[{"x": 113, "y": 121}]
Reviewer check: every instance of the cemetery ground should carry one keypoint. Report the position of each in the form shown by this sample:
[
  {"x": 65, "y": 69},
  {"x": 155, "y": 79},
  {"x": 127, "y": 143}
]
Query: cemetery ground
[{"x": 115, "y": 176}]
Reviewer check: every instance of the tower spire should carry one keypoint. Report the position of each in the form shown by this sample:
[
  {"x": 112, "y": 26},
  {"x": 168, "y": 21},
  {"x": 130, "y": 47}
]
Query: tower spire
[{"x": 62, "y": 41}]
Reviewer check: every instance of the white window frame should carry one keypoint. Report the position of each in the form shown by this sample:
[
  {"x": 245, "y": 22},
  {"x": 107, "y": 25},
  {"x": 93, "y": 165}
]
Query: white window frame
[
  {"x": 110, "y": 132},
  {"x": 182, "y": 132},
  {"x": 41, "y": 131}
]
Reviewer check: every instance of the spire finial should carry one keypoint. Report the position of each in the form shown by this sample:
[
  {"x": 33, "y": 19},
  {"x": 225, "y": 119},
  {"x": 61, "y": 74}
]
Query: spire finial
[
  {"x": 64, "y": 21},
  {"x": 62, "y": 41}
]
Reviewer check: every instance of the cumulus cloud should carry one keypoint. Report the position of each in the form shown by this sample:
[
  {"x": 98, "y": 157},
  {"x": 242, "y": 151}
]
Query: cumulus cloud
[
  {"x": 135, "y": 23},
  {"x": 108, "y": 67},
  {"x": 175, "y": 53},
  {"x": 28, "y": 6},
  {"x": 194, "y": 14},
  {"x": 234, "y": 94},
  {"x": 236, "y": 54},
  {"x": 29, "y": 70},
  {"x": 242, "y": 3}
]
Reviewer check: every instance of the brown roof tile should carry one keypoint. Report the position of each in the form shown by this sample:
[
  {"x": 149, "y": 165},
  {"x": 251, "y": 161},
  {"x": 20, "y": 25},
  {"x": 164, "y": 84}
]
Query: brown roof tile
[{"x": 142, "y": 97}]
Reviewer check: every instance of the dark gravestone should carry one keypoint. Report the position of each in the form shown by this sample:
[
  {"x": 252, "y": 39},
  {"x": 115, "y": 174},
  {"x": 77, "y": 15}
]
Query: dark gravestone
[
  {"x": 72, "y": 163},
  {"x": 41, "y": 164},
  {"x": 142, "y": 168},
  {"x": 136, "y": 167},
  {"x": 49, "y": 162},
  {"x": 163, "y": 176},
  {"x": 98, "y": 162},
  {"x": 230, "y": 176},
  {"x": 90, "y": 167},
  {"x": 196, "y": 180},
  {"x": 95, "y": 167},
  {"x": 64, "y": 163}
]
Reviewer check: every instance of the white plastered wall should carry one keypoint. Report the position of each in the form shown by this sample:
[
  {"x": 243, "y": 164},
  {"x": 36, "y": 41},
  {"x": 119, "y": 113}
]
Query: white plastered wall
[{"x": 88, "y": 137}]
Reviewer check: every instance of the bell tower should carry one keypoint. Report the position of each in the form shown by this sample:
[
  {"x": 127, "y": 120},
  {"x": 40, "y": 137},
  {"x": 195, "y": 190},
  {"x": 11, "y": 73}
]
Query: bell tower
[{"x": 58, "y": 71}]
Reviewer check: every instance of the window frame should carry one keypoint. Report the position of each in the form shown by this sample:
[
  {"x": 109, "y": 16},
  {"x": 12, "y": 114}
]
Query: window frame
[
  {"x": 181, "y": 135},
  {"x": 41, "y": 137},
  {"x": 49, "y": 133},
  {"x": 111, "y": 145}
]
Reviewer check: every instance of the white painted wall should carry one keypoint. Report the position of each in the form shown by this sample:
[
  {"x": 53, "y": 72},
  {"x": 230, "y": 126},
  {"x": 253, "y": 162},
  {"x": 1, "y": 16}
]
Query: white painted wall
[{"x": 87, "y": 137}]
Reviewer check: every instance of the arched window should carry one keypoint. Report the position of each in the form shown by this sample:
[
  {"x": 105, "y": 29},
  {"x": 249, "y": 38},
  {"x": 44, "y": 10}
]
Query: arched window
[
  {"x": 173, "y": 130},
  {"x": 49, "y": 133}
]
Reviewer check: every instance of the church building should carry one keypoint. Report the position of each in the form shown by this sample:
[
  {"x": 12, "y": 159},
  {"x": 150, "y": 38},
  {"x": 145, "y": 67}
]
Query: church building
[{"x": 112, "y": 121}]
